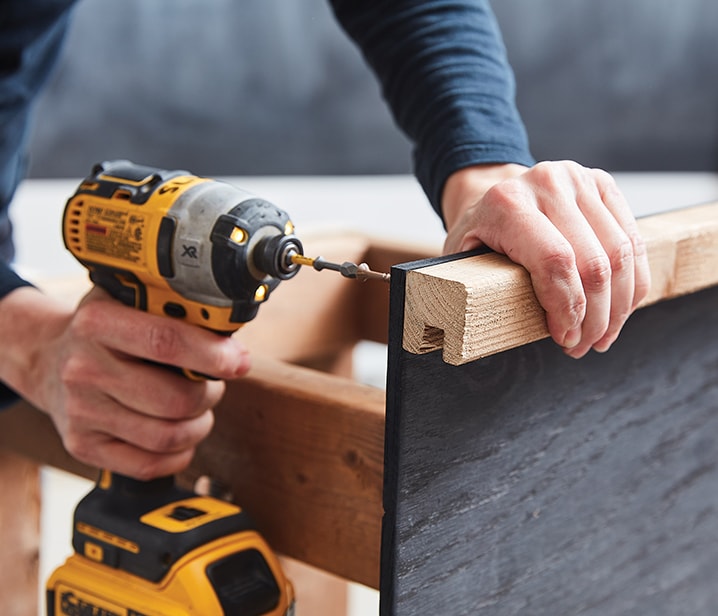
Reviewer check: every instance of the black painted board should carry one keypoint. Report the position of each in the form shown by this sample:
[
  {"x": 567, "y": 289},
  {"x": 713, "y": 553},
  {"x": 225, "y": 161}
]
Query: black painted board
[{"x": 531, "y": 483}]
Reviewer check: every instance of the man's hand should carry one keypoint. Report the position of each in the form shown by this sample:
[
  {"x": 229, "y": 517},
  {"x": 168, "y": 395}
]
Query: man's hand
[
  {"x": 87, "y": 370},
  {"x": 571, "y": 228}
]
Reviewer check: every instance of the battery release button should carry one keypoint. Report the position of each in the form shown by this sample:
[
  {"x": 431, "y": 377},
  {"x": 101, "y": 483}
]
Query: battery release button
[{"x": 184, "y": 513}]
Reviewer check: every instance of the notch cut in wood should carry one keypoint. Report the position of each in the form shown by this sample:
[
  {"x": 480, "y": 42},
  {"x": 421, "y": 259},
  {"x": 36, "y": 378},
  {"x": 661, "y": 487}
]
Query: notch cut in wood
[{"x": 484, "y": 304}]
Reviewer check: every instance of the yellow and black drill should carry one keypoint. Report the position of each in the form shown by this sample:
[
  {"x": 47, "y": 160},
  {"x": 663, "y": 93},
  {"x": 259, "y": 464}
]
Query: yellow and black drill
[{"x": 209, "y": 253}]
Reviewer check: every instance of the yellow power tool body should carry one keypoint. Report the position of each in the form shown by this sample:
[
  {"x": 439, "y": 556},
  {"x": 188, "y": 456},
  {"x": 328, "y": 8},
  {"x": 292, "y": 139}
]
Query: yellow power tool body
[
  {"x": 172, "y": 243},
  {"x": 206, "y": 252}
]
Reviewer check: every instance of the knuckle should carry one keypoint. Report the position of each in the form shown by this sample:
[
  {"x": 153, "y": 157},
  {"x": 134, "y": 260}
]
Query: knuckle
[
  {"x": 509, "y": 193},
  {"x": 545, "y": 173},
  {"x": 596, "y": 273},
  {"x": 622, "y": 256},
  {"x": 186, "y": 402},
  {"x": 604, "y": 178},
  {"x": 86, "y": 320},
  {"x": 79, "y": 447},
  {"x": 73, "y": 371},
  {"x": 559, "y": 263},
  {"x": 163, "y": 342},
  {"x": 575, "y": 310},
  {"x": 165, "y": 438},
  {"x": 553, "y": 172},
  {"x": 170, "y": 437}
]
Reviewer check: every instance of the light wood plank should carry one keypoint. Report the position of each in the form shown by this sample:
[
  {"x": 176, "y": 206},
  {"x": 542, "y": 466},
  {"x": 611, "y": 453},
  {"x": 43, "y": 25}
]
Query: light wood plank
[{"x": 484, "y": 304}]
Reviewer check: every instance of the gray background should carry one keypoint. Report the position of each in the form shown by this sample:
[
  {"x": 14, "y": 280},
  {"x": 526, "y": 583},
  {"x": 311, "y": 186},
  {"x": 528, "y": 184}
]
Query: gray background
[{"x": 275, "y": 87}]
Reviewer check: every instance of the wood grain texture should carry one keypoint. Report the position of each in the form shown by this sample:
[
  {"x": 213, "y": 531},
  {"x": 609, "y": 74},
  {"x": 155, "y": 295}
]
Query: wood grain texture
[
  {"x": 20, "y": 528},
  {"x": 303, "y": 452},
  {"x": 484, "y": 304},
  {"x": 529, "y": 483}
]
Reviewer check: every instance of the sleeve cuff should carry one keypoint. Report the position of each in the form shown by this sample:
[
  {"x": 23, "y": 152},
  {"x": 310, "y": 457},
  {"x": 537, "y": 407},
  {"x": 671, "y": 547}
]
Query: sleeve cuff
[
  {"x": 9, "y": 280},
  {"x": 7, "y": 397}
]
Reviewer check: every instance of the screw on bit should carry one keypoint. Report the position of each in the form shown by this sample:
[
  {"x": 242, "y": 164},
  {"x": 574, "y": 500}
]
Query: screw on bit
[
  {"x": 346, "y": 269},
  {"x": 363, "y": 273}
]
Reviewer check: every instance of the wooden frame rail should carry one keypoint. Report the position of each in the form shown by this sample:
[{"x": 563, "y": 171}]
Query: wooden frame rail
[{"x": 485, "y": 304}]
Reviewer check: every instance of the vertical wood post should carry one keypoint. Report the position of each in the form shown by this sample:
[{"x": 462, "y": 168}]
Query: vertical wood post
[{"x": 19, "y": 535}]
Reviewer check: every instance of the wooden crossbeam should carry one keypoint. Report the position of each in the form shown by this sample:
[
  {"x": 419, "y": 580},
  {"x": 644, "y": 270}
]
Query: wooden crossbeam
[{"x": 484, "y": 304}]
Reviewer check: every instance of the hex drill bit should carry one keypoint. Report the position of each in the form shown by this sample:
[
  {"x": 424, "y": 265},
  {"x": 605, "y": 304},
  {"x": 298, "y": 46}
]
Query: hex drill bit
[{"x": 347, "y": 269}]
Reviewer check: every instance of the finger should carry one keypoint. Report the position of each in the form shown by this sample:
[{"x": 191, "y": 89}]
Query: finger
[
  {"x": 121, "y": 457},
  {"x": 162, "y": 340},
  {"x": 148, "y": 389},
  {"x": 604, "y": 258},
  {"x": 518, "y": 229},
  {"x": 608, "y": 215},
  {"x": 616, "y": 203},
  {"x": 155, "y": 391},
  {"x": 159, "y": 436},
  {"x": 107, "y": 417}
]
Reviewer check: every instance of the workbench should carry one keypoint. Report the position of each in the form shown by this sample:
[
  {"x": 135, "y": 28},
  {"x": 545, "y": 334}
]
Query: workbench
[{"x": 310, "y": 440}]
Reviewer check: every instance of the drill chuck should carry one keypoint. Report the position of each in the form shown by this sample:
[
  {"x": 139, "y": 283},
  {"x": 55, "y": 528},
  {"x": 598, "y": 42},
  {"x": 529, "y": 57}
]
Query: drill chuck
[{"x": 273, "y": 255}]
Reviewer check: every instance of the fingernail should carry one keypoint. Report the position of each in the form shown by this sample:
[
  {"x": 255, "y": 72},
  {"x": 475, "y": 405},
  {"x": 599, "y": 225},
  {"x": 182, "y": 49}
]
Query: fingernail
[
  {"x": 572, "y": 338},
  {"x": 603, "y": 345}
]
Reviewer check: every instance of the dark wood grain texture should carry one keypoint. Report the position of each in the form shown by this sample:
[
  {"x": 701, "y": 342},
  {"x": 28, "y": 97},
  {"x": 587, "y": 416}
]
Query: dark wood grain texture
[{"x": 530, "y": 483}]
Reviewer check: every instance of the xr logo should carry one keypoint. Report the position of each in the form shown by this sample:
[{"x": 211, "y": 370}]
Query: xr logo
[{"x": 189, "y": 252}]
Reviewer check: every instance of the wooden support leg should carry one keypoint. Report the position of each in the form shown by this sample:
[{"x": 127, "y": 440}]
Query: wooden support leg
[
  {"x": 317, "y": 592},
  {"x": 19, "y": 535}
]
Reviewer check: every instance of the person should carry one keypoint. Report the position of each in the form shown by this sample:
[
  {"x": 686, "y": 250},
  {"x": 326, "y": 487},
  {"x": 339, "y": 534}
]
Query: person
[{"x": 445, "y": 76}]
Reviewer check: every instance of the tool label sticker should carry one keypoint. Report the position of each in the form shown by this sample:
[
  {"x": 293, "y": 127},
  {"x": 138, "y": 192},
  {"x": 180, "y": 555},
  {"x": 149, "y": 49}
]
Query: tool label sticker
[{"x": 116, "y": 233}]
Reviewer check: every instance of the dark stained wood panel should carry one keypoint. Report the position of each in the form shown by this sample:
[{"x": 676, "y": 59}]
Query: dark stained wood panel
[{"x": 530, "y": 483}]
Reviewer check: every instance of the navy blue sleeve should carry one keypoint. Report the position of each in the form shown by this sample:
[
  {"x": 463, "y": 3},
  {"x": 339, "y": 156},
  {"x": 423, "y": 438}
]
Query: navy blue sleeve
[
  {"x": 9, "y": 280},
  {"x": 444, "y": 73},
  {"x": 31, "y": 33}
]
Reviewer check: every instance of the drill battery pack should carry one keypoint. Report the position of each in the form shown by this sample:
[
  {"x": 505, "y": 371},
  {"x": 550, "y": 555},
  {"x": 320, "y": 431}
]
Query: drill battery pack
[{"x": 153, "y": 549}]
